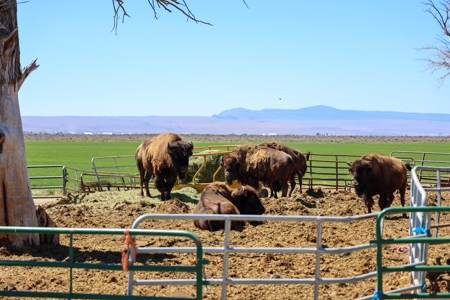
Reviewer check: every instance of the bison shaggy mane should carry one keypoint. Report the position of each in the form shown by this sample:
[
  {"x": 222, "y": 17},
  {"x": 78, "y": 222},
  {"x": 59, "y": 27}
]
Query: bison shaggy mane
[
  {"x": 158, "y": 149},
  {"x": 250, "y": 155}
]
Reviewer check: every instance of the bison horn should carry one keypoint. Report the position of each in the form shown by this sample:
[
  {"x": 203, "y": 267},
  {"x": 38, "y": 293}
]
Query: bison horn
[
  {"x": 169, "y": 149},
  {"x": 244, "y": 191}
]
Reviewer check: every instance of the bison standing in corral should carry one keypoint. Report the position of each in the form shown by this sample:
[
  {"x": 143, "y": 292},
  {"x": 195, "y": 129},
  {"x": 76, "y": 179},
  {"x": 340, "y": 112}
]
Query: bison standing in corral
[
  {"x": 298, "y": 158},
  {"x": 250, "y": 164},
  {"x": 381, "y": 174},
  {"x": 218, "y": 198},
  {"x": 165, "y": 157}
]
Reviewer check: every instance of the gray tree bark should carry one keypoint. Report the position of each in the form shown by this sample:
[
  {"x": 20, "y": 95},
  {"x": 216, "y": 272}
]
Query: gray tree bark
[{"x": 16, "y": 201}]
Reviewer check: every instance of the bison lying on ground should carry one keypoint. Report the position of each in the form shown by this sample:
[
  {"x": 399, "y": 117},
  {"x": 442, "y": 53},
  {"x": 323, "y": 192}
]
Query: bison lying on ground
[
  {"x": 298, "y": 158},
  {"x": 250, "y": 164},
  {"x": 218, "y": 198},
  {"x": 165, "y": 157},
  {"x": 381, "y": 174}
]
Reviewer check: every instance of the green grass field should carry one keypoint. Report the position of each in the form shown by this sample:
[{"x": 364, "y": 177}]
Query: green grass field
[{"x": 79, "y": 154}]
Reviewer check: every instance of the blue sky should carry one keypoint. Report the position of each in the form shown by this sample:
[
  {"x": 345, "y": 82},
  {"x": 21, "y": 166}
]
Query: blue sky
[{"x": 360, "y": 55}]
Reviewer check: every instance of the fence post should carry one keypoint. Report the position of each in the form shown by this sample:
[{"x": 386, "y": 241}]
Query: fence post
[{"x": 64, "y": 179}]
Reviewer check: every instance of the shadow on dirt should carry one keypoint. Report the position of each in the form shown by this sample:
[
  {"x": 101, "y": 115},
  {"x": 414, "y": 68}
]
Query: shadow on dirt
[
  {"x": 60, "y": 253},
  {"x": 317, "y": 193}
]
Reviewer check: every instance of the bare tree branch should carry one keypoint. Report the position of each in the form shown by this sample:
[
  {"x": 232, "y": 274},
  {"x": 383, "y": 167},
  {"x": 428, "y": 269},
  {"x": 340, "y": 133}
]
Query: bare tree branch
[
  {"x": 441, "y": 59},
  {"x": 27, "y": 71},
  {"x": 117, "y": 10},
  {"x": 440, "y": 15},
  {"x": 441, "y": 52},
  {"x": 180, "y": 5}
]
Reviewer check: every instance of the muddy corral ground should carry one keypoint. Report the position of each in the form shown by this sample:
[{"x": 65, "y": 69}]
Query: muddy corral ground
[{"x": 120, "y": 209}]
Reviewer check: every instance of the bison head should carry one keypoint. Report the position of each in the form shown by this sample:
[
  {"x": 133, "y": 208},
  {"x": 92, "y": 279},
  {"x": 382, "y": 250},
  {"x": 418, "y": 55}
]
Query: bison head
[
  {"x": 231, "y": 167},
  {"x": 180, "y": 152},
  {"x": 360, "y": 170},
  {"x": 247, "y": 201}
]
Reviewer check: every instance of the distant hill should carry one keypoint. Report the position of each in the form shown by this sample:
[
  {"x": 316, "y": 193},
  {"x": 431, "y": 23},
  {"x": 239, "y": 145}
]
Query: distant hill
[
  {"x": 322, "y": 112},
  {"x": 315, "y": 120}
]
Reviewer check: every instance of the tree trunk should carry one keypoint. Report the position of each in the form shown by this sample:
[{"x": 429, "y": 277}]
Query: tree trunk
[{"x": 16, "y": 201}]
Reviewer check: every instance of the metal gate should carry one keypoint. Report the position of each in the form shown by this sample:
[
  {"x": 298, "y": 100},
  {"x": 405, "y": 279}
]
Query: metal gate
[
  {"x": 72, "y": 264},
  {"x": 418, "y": 239}
]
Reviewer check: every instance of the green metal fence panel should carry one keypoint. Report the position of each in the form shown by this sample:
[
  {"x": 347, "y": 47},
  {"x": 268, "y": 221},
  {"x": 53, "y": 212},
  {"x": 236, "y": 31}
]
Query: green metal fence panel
[
  {"x": 71, "y": 264},
  {"x": 422, "y": 236}
]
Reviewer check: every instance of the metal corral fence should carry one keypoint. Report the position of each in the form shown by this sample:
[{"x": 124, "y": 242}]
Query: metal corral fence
[
  {"x": 418, "y": 239},
  {"x": 71, "y": 263},
  {"x": 432, "y": 159},
  {"x": 226, "y": 250},
  {"x": 419, "y": 227},
  {"x": 329, "y": 171},
  {"x": 52, "y": 183}
]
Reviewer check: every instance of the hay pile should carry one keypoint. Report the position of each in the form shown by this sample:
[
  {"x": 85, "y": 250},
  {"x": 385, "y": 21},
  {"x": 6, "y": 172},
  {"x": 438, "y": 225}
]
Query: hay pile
[{"x": 206, "y": 174}]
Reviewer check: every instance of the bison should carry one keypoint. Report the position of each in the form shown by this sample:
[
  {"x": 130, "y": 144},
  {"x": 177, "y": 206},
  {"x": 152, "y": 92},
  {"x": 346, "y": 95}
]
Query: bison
[
  {"x": 298, "y": 158},
  {"x": 218, "y": 198},
  {"x": 379, "y": 174},
  {"x": 164, "y": 157},
  {"x": 250, "y": 164}
]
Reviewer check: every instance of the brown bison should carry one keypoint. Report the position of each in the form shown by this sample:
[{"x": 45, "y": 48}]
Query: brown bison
[
  {"x": 379, "y": 174},
  {"x": 218, "y": 198},
  {"x": 164, "y": 157},
  {"x": 250, "y": 164},
  {"x": 298, "y": 158}
]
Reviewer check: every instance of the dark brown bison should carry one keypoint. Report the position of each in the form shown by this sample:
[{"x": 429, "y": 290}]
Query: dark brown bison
[
  {"x": 250, "y": 164},
  {"x": 298, "y": 158},
  {"x": 379, "y": 174},
  {"x": 218, "y": 198},
  {"x": 164, "y": 157}
]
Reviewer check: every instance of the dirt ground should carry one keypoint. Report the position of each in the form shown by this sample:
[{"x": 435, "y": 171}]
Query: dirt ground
[{"x": 120, "y": 209}]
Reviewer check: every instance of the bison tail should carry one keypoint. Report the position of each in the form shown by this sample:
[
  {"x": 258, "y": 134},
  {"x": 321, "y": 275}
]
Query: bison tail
[
  {"x": 307, "y": 155},
  {"x": 408, "y": 166}
]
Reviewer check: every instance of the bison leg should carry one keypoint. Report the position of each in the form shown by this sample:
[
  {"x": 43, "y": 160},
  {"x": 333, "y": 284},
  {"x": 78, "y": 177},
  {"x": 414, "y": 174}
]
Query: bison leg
[
  {"x": 146, "y": 180},
  {"x": 292, "y": 181},
  {"x": 273, "y": 193},
  {"x": 160, "y": 185},
  {"x": 168, "y": 188},
  {"x": 300, "y": 184},
  {"x": 385, "y": 200},
  {"x": 284, "y": 189},
  {"x": 274, "y": 188},
  {"x": 390, "y": 199},
  {"x": 402, "y": 191},
  {"x": 368, "y": 201},
  {"x": 141, "y": 180}
]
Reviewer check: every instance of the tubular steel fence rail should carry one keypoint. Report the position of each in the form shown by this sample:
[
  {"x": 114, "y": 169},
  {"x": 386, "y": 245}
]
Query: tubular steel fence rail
[
  {"x": 57, "y": 181},
  {"x": 72, "y": 264},
  {"x": 226, "y": 250},
  {"x": 431, "y": 159}
]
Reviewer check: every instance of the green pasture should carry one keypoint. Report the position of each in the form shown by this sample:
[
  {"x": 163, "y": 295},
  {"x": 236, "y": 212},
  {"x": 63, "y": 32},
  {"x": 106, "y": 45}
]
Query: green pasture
[{"x": 79, "y": 154}]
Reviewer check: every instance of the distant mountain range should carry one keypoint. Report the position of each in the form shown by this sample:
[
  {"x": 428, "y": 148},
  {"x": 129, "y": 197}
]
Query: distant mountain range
[
  {"x": 322, "y": 112},
  {"x": 315, "y": 120}
]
